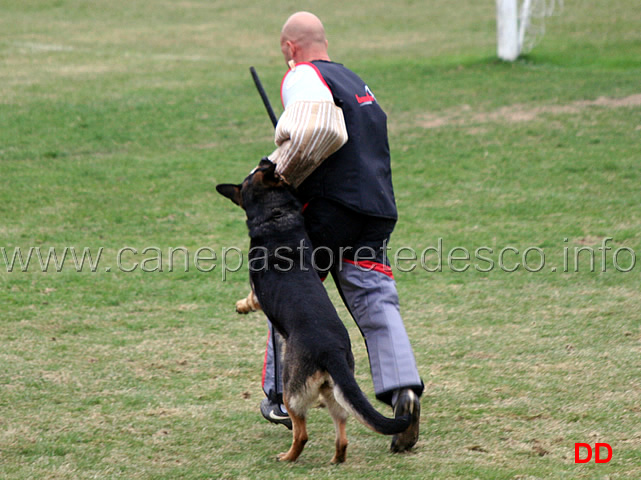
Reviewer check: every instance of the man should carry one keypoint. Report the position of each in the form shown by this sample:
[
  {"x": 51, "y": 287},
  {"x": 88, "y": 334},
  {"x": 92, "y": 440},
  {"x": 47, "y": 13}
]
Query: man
[{"x": 333, "y": 147}]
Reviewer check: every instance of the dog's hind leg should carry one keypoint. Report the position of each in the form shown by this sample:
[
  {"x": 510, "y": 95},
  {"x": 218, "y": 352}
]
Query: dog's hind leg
[
  {"x": 299, "y": 432},
  {"x": 339, "y": 415}
]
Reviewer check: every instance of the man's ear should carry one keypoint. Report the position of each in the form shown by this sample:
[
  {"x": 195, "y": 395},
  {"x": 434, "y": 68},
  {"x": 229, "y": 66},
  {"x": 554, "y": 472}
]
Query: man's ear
[{"x": 230, "y": 191}]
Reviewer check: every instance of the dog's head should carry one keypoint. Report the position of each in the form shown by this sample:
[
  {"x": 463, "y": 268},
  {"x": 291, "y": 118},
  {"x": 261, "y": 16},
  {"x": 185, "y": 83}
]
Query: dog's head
[{"x": 256, "y": 187}]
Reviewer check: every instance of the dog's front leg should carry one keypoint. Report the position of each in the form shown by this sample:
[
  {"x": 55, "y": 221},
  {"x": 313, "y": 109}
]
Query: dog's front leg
[{"x": 248, "y": 304}]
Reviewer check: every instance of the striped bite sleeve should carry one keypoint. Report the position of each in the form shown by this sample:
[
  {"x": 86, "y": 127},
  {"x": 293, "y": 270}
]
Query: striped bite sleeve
[{"x": 307, "y": 133}]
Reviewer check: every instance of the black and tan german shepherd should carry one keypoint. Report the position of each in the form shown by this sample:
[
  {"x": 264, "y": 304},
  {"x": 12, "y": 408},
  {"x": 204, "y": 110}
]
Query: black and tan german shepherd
[{"x": 318, "y": 357}]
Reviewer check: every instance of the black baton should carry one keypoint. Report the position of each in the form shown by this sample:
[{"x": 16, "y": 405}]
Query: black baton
[{"x": 263, "y": 95}]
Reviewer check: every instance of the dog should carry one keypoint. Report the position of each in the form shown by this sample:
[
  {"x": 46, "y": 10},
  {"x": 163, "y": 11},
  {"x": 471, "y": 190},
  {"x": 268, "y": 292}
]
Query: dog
[{"x": 318, "y": 359}]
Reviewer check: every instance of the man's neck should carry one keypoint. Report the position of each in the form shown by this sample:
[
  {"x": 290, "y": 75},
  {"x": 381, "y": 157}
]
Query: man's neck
[{"x": 310, "y": 57}]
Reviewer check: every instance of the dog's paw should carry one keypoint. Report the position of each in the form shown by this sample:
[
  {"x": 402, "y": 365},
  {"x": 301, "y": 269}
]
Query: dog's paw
[
  {"x": 284, "y": 457},
  {"x": 243, "y": 307},
  {"x": 248, "y": 304}
]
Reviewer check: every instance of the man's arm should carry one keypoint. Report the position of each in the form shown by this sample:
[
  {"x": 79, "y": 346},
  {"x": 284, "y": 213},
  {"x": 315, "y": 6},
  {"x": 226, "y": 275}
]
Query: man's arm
[
  {"x": 311, "y": 128},
  {"x": 307, "y": 133}
]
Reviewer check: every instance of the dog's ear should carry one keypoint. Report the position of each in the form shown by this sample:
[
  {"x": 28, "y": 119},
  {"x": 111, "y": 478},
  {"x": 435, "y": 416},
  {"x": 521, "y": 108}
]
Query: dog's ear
[
  {"x": 230, "y": 191},
  {"x": 268, "y": 169},
  {"x": 266, "y": 163}
]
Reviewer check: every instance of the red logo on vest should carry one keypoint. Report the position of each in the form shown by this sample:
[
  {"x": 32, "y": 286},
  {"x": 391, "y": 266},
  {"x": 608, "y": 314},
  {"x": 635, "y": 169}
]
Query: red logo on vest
[{"x": 367, "y": 99}]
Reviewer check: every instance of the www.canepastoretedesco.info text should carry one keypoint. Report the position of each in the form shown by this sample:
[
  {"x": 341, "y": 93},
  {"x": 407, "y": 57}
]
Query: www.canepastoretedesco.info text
[{"x": 432, "y": 259}]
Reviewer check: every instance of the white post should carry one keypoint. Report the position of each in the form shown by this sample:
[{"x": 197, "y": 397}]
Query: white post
[
  {"x": 524, "y": 22},
  {"x": 507, "y": 29}
]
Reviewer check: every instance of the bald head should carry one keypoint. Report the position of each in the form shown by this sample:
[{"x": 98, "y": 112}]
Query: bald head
[{"x": 302, "y": 38}]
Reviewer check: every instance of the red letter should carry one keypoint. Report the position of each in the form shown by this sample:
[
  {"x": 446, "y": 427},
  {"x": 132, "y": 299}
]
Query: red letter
[
  {"x": 597, "y": 447},
  {"x": 577, "y": 454}
]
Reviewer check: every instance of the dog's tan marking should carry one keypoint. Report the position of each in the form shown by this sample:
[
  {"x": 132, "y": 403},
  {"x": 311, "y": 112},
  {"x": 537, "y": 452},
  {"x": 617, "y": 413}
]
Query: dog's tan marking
[
  {"x": 299, "y": 433},
  {"x": 298, "y": 403},
  {"x": 339, "y": 416},
  {"x": 341, "y": 441}
]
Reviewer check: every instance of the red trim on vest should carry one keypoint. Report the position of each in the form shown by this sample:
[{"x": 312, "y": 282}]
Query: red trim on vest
[
  {"x": 320, "y": 75},
  {"x": 282, "y": 82},
  {"x": 369, "y": 266}
]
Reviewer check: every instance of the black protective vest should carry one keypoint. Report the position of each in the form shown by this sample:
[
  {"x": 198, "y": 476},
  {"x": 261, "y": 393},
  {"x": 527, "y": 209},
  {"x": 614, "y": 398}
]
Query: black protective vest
[{"x": 359, "y": 174}]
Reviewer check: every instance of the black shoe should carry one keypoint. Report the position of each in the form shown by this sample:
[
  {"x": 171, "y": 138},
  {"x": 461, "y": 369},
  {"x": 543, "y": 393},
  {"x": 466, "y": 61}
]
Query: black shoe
[
  {"x": 407, "y": 402},
  {"x": 272, "y": 412}
]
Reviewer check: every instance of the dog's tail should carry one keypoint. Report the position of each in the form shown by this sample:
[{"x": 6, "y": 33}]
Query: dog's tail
[{"x": 352, "y": 398}]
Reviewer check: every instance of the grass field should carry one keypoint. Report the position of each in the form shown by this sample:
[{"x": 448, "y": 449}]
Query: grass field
[{"x": 118, "y": 118}]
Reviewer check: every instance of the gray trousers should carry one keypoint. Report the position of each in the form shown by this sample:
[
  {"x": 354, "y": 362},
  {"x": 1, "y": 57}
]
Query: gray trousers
[{"x": 369, "y": 292}]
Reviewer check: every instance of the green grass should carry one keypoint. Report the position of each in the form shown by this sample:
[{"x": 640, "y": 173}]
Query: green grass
[{"x": 118, "y": 118}]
